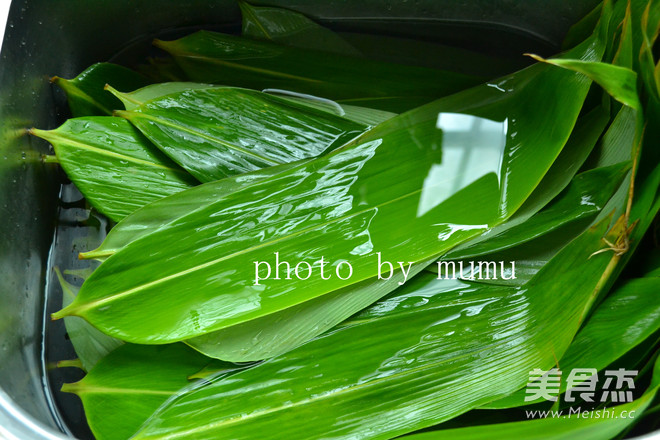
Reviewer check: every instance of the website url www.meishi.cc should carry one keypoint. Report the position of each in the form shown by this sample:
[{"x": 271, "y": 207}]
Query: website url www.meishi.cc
[{"x": 578, "y": 413}]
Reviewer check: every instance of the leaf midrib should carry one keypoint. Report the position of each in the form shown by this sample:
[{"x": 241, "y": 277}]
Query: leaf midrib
[
  {"x": 204, "y": 136},
  {"x": 69, "y": 141},
  {"x": 92, "y": 304},
  {"x": 239, "y": 66},
  {"x": 327, "y": 395}
]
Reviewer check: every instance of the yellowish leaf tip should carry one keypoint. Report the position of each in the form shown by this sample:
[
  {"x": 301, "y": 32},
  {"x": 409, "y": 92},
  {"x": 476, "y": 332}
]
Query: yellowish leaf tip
[
  {"x": 536, "y": 57},
  {"x": 70, "y": 363},
  {"x": 67, "y": 311}
]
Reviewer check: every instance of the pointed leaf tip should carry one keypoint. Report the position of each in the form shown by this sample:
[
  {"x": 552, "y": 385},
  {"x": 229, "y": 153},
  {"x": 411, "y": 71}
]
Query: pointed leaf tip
[{"x": 159, "y": 43}]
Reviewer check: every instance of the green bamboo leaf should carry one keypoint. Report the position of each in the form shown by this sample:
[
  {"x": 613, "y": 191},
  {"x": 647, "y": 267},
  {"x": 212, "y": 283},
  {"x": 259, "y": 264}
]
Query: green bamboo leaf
[
  {"x": 116, "y": 168},
  {"x": 164, "y": 212},
  {"x": 135, "y": 99},
  {"x": 432, "y": 351},
  {"x": 261, "y": 338},
  {"x": 291, "y": 28},
  {"x": 353, "y": 113},
  {"x": 225, "y": 59},
  {"x": 280, "y": 332},
  {"x": 584, "y": 198},
  {"x": 90, "y": 344},
  {"x": 353, "y": 198},
  {"x": 362, "y": 115},
  {"x": 129, "y": 384},
  {"x": 598, "y": 424},
  {"x": 617, "y": 145},
  {"x": 231, "y": 131},
  {"x": 529, "y": 258},
  {"x": 624, "y": 54},
  {"x": 644, "y": 209},
  {"x": 85, "y": 92},
  {"x": 584, "y": 137},
  {"x": 625, "y": 319},
  {"x": 620, "y": 82}
]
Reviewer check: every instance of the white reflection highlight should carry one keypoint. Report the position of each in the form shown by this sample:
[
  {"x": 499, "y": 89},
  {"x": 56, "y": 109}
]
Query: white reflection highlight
[{"x": 471, "y": 148}]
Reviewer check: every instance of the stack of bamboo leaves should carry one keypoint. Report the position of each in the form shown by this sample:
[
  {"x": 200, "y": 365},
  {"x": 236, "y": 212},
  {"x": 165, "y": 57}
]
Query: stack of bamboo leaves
[{"x": 287, "y": 140}]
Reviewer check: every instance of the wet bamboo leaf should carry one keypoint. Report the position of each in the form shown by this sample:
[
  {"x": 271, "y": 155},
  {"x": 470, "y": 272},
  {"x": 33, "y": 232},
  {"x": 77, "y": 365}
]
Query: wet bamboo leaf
[
  {"x": 353, "y": 113},
  {"x": 90, "y": 344},
  {"x": 85, "y": 92},
  {"x": 229, "y": 60},
  {"x": 619, "y": 82},
  {"x": 135, "y": 99},
  {"x": 584, "y": 198},
  {"x": 116, "y": 168},
  {"x": 529, "y": 258},
  {"x": 162, "y": 213},
  {"x": 355, "y": 199},
  {"x": 230, "y": 131},
  {"x": 596, "y": 425},
  {"x": 422, "y": 356},
  {"x": 129, "y": 384},
  {"x": 260, "y": 338},
  {"x": 280, "y": 332},
  {"x": 644, "y": 209},
  {"x": 617, "y": 145},
  {"x": 362, "y": 115},
  {"x": 625, "y": 319},
  {"x": 586, "y": 133},
  {"x": 291, "y": 28}
]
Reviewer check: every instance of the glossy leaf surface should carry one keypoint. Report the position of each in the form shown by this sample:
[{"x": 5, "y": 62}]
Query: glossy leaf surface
[
  {"x": 218, "y": 132},
  {"x": 596, "y": 425},
  {"x": 421, "y": 356},
  {"x": 625, "y": 319},
  {"x": 280, "y": 332},
  {"x": 85, "y": 92},
  {"x": 584, "y": 198},
  {"x": 586, "y": 133},
  {"x": 618, "y": 81},
  {"x": 226, "y": 59},
  {"x": 161, "y": 213},
  {"x": 209, "y": 278},
  {"x": 116, "y": 168},
  {"x": 129, "y": 384},
  {"x": 353, "y": 113}
]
